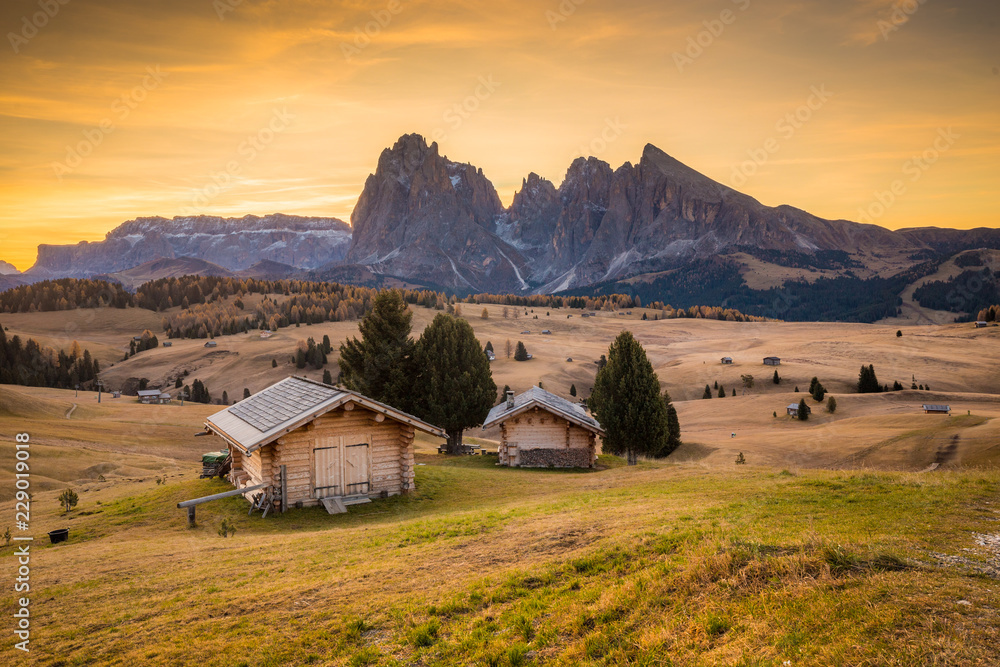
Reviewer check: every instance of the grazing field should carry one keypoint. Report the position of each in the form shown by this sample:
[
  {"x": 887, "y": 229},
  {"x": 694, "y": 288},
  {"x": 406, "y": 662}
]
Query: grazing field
[
  {"x": 657, "y": 564},
  {"x": 866, "y": 536}
]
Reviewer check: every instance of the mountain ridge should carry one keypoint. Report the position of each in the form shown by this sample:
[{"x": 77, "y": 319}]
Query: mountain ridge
[{"x": 422, "y": 218}]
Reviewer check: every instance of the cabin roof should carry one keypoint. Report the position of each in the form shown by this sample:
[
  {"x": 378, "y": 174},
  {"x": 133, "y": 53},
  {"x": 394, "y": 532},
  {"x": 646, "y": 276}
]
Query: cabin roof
[
  {"x": 149, "y": 392},
  {"x": 793, "y": 406},
  {"x": 937, "y": 408},
  {"x": 289, "y": 404},
  {"x": 536, "y": 396}
]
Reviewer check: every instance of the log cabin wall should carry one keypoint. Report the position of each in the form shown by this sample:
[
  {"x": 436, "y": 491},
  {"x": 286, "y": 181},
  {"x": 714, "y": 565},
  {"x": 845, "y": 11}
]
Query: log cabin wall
[
  {"x": 390, "y": 453},
  {"x": 540, "y": 439}
]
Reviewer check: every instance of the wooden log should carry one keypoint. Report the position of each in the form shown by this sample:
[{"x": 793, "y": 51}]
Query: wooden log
[
  {"x": 220, "y": 496},
  {"x": 284, "y": 489}
]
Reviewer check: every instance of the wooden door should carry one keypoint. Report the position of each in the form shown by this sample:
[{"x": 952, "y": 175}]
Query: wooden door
[
  {"x": 329, "y": 457},
  {"x": 357, "y": 468}
]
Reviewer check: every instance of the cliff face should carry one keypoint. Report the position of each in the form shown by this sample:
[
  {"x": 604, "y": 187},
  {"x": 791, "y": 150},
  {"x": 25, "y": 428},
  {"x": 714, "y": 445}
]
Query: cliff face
[
  {"x": 232, "y": 243},
  {"x": 429, "y": 220},
  {"x": 424, "y": 217}
]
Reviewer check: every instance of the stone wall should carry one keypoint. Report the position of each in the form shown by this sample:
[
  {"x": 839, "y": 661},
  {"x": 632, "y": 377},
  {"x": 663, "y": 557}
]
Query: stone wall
[{"x": 554, "y": 458}]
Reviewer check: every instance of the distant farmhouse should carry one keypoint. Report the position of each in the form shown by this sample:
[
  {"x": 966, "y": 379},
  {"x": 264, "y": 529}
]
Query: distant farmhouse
[
  {"x": 491, "y": 355},
  {"x": 151, "y": 396},
  {"x": 542, "y": 430},
  {"x": 727, "y": 360},
  {"x": 167, "y": 343},
  {"x": 266, "y": 334},
  {"x": 772, "y": 361},
  {"x": 211, "y": 343},
  {"x": 982, "y": 325},
  {"x": 793, "y": 410},
  {"x": 309, "y": 443},
  {"x": 931, "y": 409}
]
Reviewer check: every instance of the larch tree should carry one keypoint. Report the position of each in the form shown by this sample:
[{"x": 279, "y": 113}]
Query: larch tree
[
  {"x": 380, "y": 364},
  {"x": 626, "y": 401},
  {"x": 454, "y": 386}
]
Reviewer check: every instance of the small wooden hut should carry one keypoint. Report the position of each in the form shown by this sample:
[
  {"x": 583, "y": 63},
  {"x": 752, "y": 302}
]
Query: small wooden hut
[
  {"x": 542, "y": 430},
  {"x": 331, "y": 444}
]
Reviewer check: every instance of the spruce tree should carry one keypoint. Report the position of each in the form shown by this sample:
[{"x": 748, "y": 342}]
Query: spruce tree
[
  {"x": 327, "y": 378},
  {"x": 453, "y": 386},
  {"x": 803, "y": 411},
  {"x": 734, "y": 391},
  {"x": 708, "y": 392},
  {"x": 777, "y": 378},
  {"x": 572, "y": 390},
  {"x": 722, "y": 392},
  {"x": 225, "y": 398},
  {"x": 380, "y": 364},
  {"x": 626, "y": 401},
  {"x": 521, "y": 352},
  {"x": 867, "y": 381},
  {"x": 673, "y": 424},
  {"x": 831, "y": 405},
  {"x": 246, "y": 392}
]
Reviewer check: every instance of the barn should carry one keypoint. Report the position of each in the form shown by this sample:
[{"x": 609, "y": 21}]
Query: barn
[
  {"x": 542, "y": 430},
  {"x": 153, "y": 396},
  {"x": 772, "y": 361},
  {"x": 313, "y": 444},
  {"x": 930, "y": 409}
]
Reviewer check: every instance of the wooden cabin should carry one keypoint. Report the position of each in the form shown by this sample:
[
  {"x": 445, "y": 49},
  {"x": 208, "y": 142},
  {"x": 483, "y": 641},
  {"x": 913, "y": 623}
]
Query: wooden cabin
[
  {"x": 772, "y": 361},
  {"x": 936, "y": 409},
  {"x": 313, "y": 444},
  {"x": 727, "y": 361},
  {"x": 542, "y": 430},
  {"x": 981, "y": 324},
  {"x": 153, "y": 396}
]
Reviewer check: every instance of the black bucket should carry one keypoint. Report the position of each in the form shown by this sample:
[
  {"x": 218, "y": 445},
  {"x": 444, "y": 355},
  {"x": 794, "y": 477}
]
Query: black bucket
[{"x": 57, "y": 536}]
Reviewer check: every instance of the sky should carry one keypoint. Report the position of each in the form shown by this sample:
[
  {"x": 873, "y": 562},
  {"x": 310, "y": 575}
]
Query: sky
[{"x": 881, "y": 111}]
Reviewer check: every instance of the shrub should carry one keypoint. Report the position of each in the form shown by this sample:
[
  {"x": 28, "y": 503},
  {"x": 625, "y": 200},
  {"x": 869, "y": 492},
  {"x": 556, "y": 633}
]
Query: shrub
[
  {"x": 831, "y": 405},
  {"x": 68, "y": 499}
]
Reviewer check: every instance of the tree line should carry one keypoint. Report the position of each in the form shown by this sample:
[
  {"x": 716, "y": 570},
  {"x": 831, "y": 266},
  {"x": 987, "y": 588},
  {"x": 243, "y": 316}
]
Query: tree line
[
  {"x": 64, "y": 294},
  {"x": 29, "y": 364}
]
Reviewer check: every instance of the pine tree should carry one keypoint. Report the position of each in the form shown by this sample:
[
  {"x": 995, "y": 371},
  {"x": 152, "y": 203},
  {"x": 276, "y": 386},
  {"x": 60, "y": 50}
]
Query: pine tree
[
  {"x": 274, "y": 363},
  {"x": 626, "y": 401},
  {"x": 708, "y": 392},
  {"x": 734, "y": 391},
  {"x": 803, "y": 411},
  {"x": 327, "y": 378},
  {"x": 777, "y": 378},
  {"x": 722, "y": 392},
  {"x": 246, "y": 392},
  {"x": 178, "y": 383},
  {"x": 485, "y": 314},
  {"x": 489, "y": 346},
  {"x": 673, "y": 424},
  {"x": 453, "y": 377},
  {"x": 380, "y": 365},
  {"x": 225, "y": 398},
  {"x": 831, "y": 405},
  {"x": 716, "y": 385},
  {"x": 572, "y": 390},
  {"x": 867, "y": 381},
  {"x": 521, "y": 353},
  {"x": 327, "y": 347}
]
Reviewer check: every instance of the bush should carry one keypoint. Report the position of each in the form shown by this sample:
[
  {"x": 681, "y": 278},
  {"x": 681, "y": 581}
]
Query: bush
[
  {"x": 741, "y": 460},
  {"x": 68, "y": 499},
  {"x": 831, "y": 405}
]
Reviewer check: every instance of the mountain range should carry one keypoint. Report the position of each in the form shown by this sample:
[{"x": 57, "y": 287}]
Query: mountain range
[{"x": 427, "y": 220}]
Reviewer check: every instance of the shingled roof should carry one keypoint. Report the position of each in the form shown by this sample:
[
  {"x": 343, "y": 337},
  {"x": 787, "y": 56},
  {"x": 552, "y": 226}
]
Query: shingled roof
[
  {"x": 538, "y": 397},
  {"x": 290, "y": 404}
]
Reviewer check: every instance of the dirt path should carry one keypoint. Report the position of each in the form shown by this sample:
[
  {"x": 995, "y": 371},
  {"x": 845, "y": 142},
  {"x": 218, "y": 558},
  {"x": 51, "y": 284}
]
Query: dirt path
[{"x": 69, "y": 413}]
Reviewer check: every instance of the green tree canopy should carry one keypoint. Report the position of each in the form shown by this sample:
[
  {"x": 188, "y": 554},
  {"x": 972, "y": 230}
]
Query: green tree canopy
[
  {"x": 626, "y": 401},
  {"x": 380, "y": 364},
  {"x": 454, "y": 386}
]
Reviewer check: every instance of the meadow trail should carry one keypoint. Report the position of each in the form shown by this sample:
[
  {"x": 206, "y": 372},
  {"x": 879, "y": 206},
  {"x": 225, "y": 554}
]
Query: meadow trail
[{"x": 69, "y": 413}]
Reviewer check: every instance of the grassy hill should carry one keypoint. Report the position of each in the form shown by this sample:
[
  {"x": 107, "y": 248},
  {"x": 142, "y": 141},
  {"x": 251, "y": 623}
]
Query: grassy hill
[{"x": 658, "y": 564}]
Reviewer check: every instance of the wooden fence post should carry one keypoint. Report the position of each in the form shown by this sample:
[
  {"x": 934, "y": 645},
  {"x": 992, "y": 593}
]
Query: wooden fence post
[{"x": 191, "y": 522}]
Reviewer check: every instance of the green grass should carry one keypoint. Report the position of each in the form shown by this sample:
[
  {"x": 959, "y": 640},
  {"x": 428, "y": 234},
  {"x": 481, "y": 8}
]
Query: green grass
[{"x": 653, "y": 565}]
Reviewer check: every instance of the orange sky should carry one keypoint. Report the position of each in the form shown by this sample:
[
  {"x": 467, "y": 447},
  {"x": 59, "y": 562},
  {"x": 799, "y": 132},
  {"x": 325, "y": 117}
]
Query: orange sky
[{"x": 288, "y": 104}]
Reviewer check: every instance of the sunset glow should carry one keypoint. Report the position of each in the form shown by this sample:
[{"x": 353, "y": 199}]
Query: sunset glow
[{"x": 113, "y": 110}]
